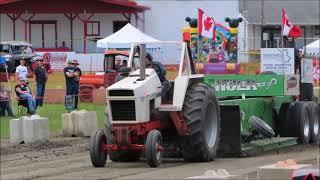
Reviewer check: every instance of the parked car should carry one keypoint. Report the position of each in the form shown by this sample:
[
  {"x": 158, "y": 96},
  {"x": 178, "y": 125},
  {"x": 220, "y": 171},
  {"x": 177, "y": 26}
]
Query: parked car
[{"x": 14, "y": 51}]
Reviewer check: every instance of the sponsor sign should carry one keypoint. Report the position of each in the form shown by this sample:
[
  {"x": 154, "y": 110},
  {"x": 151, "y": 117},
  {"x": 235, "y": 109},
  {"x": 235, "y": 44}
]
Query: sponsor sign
[
  {"x": 278, "y": 60},
  {"x": 306, "y": 71},
  {"x": 246, "y": 85},
  {"x": 57, "y": 59}
]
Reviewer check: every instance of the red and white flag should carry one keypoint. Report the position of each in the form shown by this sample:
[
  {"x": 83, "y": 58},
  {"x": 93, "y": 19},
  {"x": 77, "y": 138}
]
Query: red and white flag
[
  {"x": 205, "y": 25},
  {"x": 288, "y": 29}
]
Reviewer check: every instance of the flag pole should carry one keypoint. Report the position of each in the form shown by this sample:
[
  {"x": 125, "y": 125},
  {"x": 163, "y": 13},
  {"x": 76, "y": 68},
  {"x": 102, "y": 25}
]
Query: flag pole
[
  {"x": 9, "y": 86},
  {"x": 282, "y": 28}
]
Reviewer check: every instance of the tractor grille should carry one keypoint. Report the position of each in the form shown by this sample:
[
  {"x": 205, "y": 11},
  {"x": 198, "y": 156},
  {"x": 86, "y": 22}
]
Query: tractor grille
[
  {"x": 121, "y": 93},
  {"x": 123, "y": 110}
]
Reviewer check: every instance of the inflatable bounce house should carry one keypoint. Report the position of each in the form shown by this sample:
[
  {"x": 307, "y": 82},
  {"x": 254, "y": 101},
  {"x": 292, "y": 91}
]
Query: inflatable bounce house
[{"x": 217, "y": 55}]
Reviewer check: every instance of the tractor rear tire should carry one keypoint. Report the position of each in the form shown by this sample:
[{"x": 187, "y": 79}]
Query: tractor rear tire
[
  {"x": 153, "y": 155},
  {"x": 202, "y": 117},
  {"x": 97, "y": 154},
  {"x": 314, "y": 113}
]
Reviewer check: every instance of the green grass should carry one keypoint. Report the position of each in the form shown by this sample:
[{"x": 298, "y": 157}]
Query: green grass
[{"x": 53, "y": 112}]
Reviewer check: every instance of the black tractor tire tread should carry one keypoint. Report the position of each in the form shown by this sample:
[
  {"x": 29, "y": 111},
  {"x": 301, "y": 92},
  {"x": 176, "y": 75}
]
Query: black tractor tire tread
[
  {"x": 194, "y": 147},
  {"x": 98, "y": 158},
  {"x": 284, "y": 130},
  {"x": 151, "y": 149},
  {"x": 314, "y": 113},
  {"x": 296, "y": 121}
]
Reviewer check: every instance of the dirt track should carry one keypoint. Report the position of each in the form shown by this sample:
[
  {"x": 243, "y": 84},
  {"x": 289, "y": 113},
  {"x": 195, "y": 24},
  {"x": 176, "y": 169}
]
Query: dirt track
[{"x": 68, "y": 158}]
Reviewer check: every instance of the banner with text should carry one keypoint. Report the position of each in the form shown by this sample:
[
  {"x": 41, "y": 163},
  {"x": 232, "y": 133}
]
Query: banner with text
[
  {"x": 278, "y": 60},
  {"x": 87, "y": 62},
  {"x": 248, "y": 85},
  {"x": 57, "y": 59}
]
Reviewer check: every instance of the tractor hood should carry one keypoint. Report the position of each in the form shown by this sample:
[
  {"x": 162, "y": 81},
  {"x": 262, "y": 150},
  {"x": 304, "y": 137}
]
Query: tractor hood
[{"x": 128, "y": 100}]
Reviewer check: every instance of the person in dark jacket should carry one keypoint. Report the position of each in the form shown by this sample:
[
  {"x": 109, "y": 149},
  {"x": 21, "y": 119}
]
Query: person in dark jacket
[
  {"x": 77, "y": 74},
  {"x": 41, "y": 79},
  {"x": 161, "y": 72},
  {"x": 157, "y": 66}
]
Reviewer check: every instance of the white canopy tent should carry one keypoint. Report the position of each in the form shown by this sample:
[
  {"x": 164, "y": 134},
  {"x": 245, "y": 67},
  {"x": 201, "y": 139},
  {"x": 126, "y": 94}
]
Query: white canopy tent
[
  {"x": 313, "y": 47},
  {"x": 124, "y": 38}
]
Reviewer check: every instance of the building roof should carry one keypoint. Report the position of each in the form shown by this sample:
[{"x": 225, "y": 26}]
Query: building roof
[
  {"x": 70, "y": 6},
  {"x": 301, "y": 12}
]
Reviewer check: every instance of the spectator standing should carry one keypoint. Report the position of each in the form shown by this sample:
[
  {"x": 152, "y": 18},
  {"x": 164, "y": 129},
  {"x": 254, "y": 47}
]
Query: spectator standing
[
  {"x": 41, "y": 79},
  {"x": 5, "y": 102},
  {"x": 77, "y": 73},
  {"x": 22, "y": 70},
  {"x": 69, "y": 76},
  {"x": 24, "y": 93}
]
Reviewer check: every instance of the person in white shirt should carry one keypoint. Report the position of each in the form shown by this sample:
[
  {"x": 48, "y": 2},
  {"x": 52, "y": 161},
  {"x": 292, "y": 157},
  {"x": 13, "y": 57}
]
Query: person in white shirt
[{"x": 22, "y": 70}]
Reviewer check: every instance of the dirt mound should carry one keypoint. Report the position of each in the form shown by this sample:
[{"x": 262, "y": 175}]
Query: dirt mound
[{"x": 54, "y": 143}]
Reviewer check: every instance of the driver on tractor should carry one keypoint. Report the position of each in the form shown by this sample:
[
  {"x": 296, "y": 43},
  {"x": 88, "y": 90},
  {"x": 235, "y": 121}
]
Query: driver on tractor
[{"x": 161, "y": 72}]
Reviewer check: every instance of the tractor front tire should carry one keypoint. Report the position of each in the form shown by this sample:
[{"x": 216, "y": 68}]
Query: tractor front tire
[
  {"x": 153, "y": 154},
  {"x": 97, "y": 153},
  {"x": 202, "y": 117},
  {"x": 314, "y": 113}
]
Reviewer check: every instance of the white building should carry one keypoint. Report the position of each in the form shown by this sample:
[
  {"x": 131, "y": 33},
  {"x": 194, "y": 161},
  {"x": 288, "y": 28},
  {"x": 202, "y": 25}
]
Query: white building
[
  {"x": 164, "y": 20},
  {"x": 75, "y": 25}
]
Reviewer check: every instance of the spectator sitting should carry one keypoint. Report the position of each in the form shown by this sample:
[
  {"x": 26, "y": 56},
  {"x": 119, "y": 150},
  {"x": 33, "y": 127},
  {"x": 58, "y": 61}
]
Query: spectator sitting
[
  {"x": 4, "y": 102},
  {"x": 24, "y": 93}
]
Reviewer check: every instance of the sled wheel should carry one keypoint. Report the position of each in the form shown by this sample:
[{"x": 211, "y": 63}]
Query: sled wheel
[
  {"x": 314, "y": 113},
  {"x": 298, "y": 121}
]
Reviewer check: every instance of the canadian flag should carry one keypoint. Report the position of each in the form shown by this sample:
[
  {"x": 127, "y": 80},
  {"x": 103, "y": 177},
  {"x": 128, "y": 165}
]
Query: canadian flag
[
  {"x": 288, "y": 29},
  {"x": 205, "y": 25}
]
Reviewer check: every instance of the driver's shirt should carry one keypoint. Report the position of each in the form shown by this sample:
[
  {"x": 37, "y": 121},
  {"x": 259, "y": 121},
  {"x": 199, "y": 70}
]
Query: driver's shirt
[
  {"x": 158, "y": 68},
  {"x": 22, "y": 71}
]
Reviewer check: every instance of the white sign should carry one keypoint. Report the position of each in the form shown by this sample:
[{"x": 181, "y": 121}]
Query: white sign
[
  {"x": 87, "y": 62},
  {"x": 277, "y": 60},
  {"x": 57, "y": 59},
  {"x": 306, "y": 71}
]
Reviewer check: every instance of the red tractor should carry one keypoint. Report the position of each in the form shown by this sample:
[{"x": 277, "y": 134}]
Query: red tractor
[{"x": 113, "y": 61}]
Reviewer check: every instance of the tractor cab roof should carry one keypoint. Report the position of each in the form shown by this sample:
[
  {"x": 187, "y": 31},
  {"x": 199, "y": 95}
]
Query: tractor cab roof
[{"x": 116, "y": 52}]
